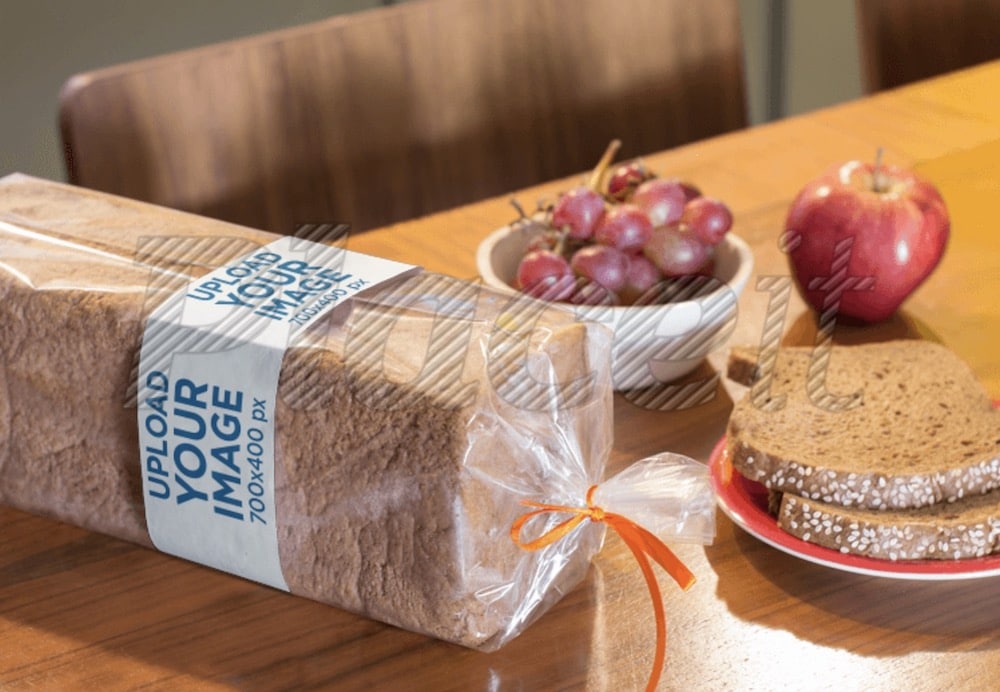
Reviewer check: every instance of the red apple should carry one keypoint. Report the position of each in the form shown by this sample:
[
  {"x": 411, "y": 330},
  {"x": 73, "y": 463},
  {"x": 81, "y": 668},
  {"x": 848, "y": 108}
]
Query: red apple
[{"x": 863, "y": 236}]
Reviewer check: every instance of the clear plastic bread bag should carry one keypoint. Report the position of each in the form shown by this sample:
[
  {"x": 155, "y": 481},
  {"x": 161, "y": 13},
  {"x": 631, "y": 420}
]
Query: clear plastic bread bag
[{"x": 409, "y": 425}]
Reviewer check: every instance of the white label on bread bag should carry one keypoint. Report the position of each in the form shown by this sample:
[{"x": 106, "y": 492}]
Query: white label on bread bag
[{"x": 207, "y": 388}]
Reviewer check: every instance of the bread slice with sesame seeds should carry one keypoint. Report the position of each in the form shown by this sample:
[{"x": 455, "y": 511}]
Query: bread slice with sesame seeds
[
  {"x": 884, "y": 449},
  {"x": 966, "y": 528}
]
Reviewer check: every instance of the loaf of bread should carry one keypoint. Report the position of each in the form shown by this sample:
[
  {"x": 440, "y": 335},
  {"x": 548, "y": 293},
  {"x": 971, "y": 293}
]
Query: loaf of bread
[
  {"x": 398, "y": 511},
  {"x": 904, "y": 464}
]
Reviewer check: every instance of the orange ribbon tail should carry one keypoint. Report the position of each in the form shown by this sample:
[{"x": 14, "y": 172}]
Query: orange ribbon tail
[{"x": 642, "y": 543}]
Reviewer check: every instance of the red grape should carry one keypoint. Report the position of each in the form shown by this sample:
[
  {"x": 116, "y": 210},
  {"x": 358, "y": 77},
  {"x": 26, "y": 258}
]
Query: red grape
[
  {"x": 626, "y": 178},
  {"x": 601, "y": 264},
  {"x": 546, "y": 274},
  {"x": 578, "y": 211},
  {"x": 661, "y": 199},
  {"x": 642, "y": 275},
  {"x": 708, "y": 269},
  {"x": 624, "y": 227},
  {"x": 709, "y": 219},
  {"x": 675, "y": 251}
]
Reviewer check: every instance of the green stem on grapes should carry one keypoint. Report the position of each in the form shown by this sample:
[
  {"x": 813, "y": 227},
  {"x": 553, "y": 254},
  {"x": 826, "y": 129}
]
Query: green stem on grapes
[{"x": 597, "y": 176}]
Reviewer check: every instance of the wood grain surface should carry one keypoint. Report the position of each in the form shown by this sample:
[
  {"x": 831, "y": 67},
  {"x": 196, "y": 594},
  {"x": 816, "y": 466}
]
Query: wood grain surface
[{"x": 80, "y": 611}]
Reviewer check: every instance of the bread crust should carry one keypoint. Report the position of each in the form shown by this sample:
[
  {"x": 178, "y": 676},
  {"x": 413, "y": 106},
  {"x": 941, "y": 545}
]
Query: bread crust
[
  {"x": 962, "y": 530},
  {"x": 871, "y": 489}
]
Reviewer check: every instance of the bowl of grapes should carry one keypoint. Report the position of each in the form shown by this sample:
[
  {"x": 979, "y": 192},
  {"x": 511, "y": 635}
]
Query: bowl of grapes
[{"x": 650, "y": 256}]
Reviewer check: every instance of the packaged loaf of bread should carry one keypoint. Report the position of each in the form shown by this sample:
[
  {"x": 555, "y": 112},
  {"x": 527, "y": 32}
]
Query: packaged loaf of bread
[{"x": 345, "y": 428}]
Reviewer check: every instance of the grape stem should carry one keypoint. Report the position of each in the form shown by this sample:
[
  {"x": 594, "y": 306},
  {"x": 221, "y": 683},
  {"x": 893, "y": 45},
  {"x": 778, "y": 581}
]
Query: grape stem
[
  {"x": 520, "y": 210},
  {"x": 597, "y": 175}
]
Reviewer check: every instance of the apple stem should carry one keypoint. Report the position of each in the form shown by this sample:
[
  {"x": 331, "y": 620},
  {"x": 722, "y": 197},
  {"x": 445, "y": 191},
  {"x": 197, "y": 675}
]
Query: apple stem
[{"x": 879, "y": 183}]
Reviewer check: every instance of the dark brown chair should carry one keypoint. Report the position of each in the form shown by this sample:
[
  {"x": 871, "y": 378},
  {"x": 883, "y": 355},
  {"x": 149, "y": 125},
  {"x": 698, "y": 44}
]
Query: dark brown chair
[
  {"x": 902, "y": 41},
  {"x": 392, "y": 113}
]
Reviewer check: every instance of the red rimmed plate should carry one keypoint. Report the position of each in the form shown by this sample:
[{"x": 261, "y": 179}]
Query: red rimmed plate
[{"x": 745, "y": 502}]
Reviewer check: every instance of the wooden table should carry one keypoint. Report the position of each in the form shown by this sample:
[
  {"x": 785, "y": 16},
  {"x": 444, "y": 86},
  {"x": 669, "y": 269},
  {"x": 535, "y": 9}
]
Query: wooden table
[{"x": 79, "y": 610}]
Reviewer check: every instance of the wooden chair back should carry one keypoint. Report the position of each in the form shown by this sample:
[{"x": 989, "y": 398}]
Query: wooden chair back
[
  {"x": 392, "y": 113},
  {"x": 902, "y": 41}
]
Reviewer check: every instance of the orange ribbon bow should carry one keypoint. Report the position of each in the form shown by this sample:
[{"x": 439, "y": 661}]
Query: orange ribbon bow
[{"x": 641, "y": 542}]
